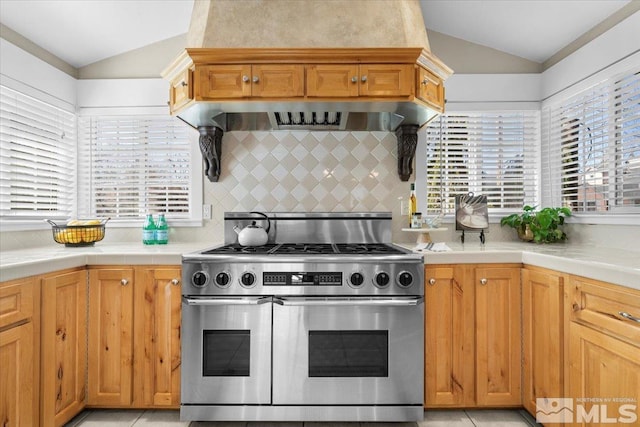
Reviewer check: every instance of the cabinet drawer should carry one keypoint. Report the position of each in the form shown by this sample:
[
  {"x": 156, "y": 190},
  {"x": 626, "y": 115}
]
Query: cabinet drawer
[
  {"x": 16, "y": 301},
  {"x": 332, "y": 80},
  {"x": 386, "y": 80},
  {"x": 222, "y": 81},
  {"x": 430, "y": 88},
  {"x": 181, "y": 90},
  {"x": 609, "y": 308}
]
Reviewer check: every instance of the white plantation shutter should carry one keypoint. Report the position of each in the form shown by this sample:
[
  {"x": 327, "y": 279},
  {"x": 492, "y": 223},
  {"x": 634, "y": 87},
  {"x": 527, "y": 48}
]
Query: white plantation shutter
[
  {"x": 489, "y": 153},
  {"x": 592, "y": 143},
  {"x": 133, "y": 165},
  {"x": 37, "y": 158}
]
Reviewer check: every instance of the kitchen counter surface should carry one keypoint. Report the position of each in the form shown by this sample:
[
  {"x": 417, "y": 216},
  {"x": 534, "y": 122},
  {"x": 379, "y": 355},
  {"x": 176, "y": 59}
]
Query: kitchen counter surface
[
  {"x": 615, "y": 266},
  {"x": 29, "y": 262}
]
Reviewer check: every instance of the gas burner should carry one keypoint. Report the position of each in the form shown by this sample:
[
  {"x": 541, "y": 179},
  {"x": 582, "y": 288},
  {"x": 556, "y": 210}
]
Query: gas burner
[
  {"x": 366, "y": 248},
  {"x": 305, "y": 248},
  {"x": 237, "y": 249}
]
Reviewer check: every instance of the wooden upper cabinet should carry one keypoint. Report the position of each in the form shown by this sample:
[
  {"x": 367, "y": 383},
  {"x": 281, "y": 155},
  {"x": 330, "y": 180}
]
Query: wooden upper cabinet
[
  {"x": 277, "y": 81},
  {"x": 332, "y": 80},
  {"x": 181, "y": 90},
  {"x": 249, "y": 81},
  {"x": 365, "y": 80},
  {"x": 386, "y": 80},
  {"x": 222, "y": 81},
  {"x": 430, "y": 89}
]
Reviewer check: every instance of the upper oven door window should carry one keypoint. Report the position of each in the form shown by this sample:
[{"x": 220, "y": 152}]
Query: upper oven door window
[
  {"x": 226, "y": 353},
  {"x": 349, "y": 353}
]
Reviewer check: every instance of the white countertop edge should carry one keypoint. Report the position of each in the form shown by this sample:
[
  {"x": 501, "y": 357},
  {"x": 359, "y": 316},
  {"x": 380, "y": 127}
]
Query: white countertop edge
[{"x": 621, "y": 268}]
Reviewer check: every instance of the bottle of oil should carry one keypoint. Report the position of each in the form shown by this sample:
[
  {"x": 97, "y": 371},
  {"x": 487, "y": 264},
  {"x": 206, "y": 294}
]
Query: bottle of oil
[{"x": 412, "y": 202}]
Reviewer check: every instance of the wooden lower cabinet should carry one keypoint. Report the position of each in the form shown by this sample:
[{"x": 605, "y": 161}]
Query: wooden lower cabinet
[
  {"x": 19, "y": 353},
  {"x": 472, "y": 335},
  {"x": 604, "y": 353},
  {"x": 63, "y": 346},
  {"x": 157, "y": 308},
  {"x": 543, "y": 335},
  {"x": 134, "y": 339}
]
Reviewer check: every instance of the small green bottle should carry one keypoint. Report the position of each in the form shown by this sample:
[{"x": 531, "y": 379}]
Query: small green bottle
[
  {"x": 149, "y": 231},
  {"x": 162, "y": 231}
]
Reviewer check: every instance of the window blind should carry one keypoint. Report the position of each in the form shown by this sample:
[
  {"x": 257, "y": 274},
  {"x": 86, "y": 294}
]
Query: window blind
[
  {"x": 489, "y": 153},
  {"x": 592, "y": 145},
  {"x": 37, "y": 158},
  {"x": 130, "y": 166}
]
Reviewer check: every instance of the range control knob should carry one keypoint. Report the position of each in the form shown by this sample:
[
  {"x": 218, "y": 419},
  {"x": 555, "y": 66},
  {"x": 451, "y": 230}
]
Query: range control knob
[
  {"x": 381, "y": 280},
  {"x": 248, "y": 279},
  {"x": 356, "y": 279},
  {"x": 405, "y": 279},
  {"x": 200, "y": 279},
  {"x": 223, "y": 279}
]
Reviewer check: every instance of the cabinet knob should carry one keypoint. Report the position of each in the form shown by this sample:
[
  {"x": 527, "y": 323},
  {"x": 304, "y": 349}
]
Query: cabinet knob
[
  {"x": 256, "y": 79},
  {"x": 354, "y": 79},
  {"x": 483, "y": 281},
  {"x": 363, "y": 79},
  {"x": 425, "y": 81},
  {"x": 245, "y": 78},
  {"x": 124, "y": 282},
  {"x": 175, "y": 282},
  {"x": 432, "y": 281},
  {"x": 183, "y": 83}
]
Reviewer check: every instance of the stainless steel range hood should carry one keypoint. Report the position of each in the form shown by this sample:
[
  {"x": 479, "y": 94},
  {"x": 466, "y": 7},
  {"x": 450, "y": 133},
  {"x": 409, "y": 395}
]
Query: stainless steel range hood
[{"x": 240, "y": 37}]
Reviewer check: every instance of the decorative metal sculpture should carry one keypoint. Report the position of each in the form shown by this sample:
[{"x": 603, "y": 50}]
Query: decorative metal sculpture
[
  {"x": 211, "y": 148},
  {"x": 407, "y": 136}
]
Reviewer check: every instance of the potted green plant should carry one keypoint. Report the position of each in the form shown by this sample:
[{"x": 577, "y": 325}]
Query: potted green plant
[{"x": 540, "y": 226}]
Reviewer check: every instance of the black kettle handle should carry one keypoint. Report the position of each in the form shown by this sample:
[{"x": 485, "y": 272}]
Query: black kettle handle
[{"x": 264, "y": 215}]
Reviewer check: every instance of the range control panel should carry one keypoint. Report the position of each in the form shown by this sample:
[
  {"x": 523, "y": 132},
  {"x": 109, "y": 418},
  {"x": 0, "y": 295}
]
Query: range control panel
[{"x": 301, "y": 279}]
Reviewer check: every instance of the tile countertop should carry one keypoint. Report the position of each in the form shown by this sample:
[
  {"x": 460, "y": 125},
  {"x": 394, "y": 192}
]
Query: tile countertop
[{"x": 616, "y": 266}]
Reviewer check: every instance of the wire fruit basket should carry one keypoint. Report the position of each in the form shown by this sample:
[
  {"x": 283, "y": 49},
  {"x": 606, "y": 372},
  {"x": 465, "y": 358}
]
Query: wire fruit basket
[{"x": 79, "y": 233}]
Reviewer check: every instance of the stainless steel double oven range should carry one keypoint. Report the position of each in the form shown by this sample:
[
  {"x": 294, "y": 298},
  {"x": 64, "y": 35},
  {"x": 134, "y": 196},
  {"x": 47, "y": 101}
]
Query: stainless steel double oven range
[{"x": 324, "y": 323}]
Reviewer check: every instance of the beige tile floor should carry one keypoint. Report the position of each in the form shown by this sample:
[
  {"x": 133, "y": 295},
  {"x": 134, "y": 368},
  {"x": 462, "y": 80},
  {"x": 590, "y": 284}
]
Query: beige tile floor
[{"x": 432, "y": 418}]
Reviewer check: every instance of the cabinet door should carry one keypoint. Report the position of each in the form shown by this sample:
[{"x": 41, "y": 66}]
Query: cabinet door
[
  {"x": 181, "y": 90},
  {"x": 157, "y": 339},
  {"x": 277, "y": 81},
  {"x": 110, "y": 337},
  {"x": 332, "y": 81},
  {"x": 430, "y": 89},
  {"x": 386, "y": 80},
  {"x": 64, "y": 346},
  {"x": 449, "y": 356},
  {"x": 17, "y": 395},
  {"x": 222, "y": 81},
  {"x": 543, "y": 320},
  {"x": 603, "y": 367},
  {"x": 498, "y": 364}
]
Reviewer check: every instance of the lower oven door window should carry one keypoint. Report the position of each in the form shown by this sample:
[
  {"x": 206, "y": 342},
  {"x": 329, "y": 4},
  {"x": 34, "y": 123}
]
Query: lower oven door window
[
  {"x": 361, "y": 352},
  {"x": 226, "y": 350},
  {"x": 355, "y": 354}
]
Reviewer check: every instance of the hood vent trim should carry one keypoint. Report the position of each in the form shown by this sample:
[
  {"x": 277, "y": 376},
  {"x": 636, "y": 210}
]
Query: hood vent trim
[{"x": 314, "y": 120}]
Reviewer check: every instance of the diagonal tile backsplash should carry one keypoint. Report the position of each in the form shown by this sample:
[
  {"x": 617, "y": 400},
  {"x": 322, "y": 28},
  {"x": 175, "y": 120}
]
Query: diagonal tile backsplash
[{"x": 301, "y": 171}]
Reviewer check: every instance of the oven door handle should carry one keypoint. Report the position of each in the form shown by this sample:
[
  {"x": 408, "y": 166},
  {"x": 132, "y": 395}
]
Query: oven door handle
[
  {"x": 320, "y": 301},
  {"x": 226, "y": 301}
]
